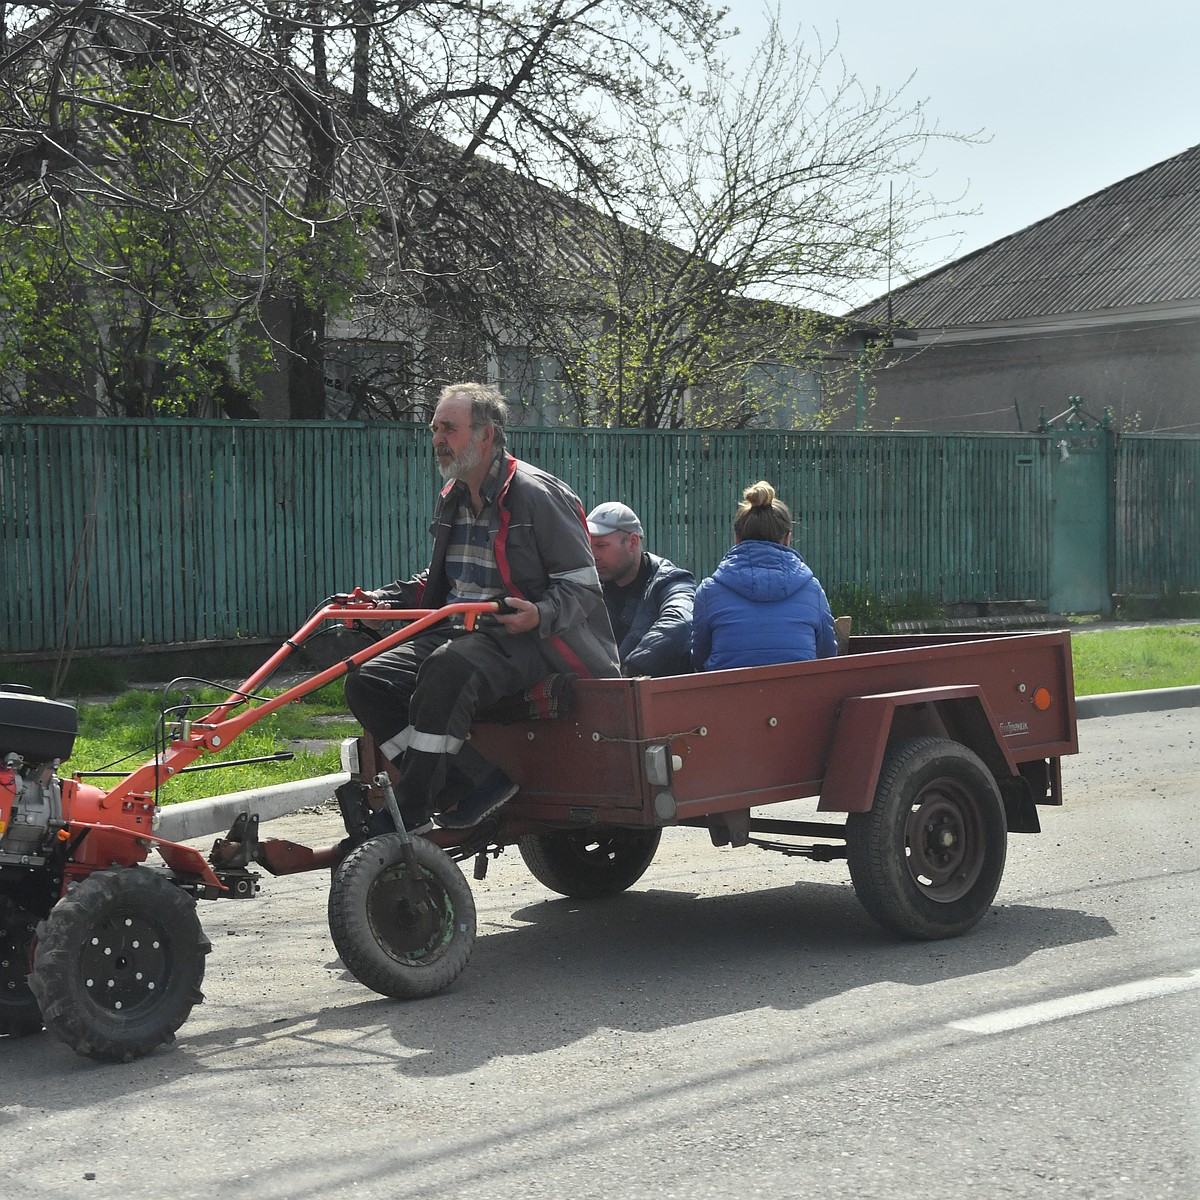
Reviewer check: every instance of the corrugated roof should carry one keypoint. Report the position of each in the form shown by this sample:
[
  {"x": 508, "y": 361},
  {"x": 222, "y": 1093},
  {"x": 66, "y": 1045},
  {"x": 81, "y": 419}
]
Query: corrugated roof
[{"x": 1136, "y": 242}]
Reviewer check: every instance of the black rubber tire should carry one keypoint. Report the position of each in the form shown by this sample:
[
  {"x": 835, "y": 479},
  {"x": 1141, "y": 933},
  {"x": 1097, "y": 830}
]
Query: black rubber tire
[
  {"x": 926, "y": 861},
  {"x": 585, "y": 864},
  {"x": 118, "y": 964},
  {"x": 384, "y": 942},
  {"x": 19, "y": 1011}
]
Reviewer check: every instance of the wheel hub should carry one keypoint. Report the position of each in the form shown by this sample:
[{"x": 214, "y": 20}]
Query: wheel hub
[
  {"x": 19, "y": 1011},
  {"x": 943, "y": 843},
  {"x": 124, "y": 963},
  {"x": 410, "y": 927}
]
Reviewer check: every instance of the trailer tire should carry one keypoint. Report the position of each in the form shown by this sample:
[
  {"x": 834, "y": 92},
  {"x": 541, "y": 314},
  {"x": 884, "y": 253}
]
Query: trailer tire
[
  {"x": 384, "y": 942},
  {"x": 926, "y": 860},
  {"x": 585, "y": 864},
  {"x": 118, "y": 964},
  {"x": 19, "y": 1011}
]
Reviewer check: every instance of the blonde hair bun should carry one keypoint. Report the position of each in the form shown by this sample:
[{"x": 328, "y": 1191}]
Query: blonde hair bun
[{"x": 759, "y": 495}]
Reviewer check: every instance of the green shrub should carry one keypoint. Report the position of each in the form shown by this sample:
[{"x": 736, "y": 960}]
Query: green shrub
[
  {"x": 84, "y": 677},
  {"x": 1172, "y": 604},
  {"x": 873, "y": 614},
  {"x": 863, "y": 607}
]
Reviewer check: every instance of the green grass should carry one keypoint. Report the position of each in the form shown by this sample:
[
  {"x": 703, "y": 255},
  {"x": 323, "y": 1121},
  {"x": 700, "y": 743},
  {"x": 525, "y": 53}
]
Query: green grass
[
  {"x": 1132, "y": 660},
  {"x": 119, "y": 736}
]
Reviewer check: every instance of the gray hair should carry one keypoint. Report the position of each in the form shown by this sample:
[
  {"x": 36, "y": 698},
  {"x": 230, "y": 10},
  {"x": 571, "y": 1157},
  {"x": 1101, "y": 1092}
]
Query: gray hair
[{"x": 488, "y": 407}]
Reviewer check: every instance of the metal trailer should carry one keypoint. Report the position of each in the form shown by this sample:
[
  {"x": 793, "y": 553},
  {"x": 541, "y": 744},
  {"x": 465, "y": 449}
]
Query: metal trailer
[{"x": 925, "y": 751}]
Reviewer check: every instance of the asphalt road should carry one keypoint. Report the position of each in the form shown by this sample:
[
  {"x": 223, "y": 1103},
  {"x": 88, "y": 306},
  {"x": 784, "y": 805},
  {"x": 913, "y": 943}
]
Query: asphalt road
[{"x": 734, "y": 1026}]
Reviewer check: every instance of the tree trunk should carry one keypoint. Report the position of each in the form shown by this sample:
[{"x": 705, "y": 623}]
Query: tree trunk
[
  {"x": 306, "y": 312},
  {"x": 306, "y": 361}
]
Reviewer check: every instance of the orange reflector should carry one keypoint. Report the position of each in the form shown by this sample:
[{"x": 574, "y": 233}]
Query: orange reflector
[{"x": 1041, "y": 699}]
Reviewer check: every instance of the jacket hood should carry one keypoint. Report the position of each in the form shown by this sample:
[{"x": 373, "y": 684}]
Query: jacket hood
[{"x": 763, "y": 571}]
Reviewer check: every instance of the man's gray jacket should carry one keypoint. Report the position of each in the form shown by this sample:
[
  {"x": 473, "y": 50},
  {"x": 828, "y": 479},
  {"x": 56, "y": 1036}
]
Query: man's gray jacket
[{"x": 544, "y": 555}]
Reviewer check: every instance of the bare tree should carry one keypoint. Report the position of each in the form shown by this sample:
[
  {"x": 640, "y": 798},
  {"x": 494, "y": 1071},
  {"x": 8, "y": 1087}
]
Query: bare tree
[
  {"x": 488, "y": 130},
  {"x": 442, "y": 177},
  {"x": 746, "y": 223}
]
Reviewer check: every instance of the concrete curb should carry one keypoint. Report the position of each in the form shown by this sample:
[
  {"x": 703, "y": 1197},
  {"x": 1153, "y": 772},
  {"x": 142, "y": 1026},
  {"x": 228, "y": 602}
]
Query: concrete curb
[
  {"x": 1119, "y": 704},
  {"x": 214, "y": 815}
]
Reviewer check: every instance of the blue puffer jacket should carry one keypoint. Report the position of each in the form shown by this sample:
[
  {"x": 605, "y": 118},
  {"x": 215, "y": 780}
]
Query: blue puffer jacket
[{"x": 761, "y": 605}]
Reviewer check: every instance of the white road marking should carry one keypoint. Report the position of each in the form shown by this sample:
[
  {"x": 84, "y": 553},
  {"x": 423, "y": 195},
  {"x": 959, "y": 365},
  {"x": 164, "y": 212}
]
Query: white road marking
[{"x": 1083, "y": 1002}]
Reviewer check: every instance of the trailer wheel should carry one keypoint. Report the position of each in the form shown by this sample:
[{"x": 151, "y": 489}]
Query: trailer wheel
[
  {"x": 390, "y": 942},
  {"x": 119, "y": 963},
  {"x": 19, "y": 1011},
  {"x": 926, "y": 861},
  {"x": 589, "y": 863}
]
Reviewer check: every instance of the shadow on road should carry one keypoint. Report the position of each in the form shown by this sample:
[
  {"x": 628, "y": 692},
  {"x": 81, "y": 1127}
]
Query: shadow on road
[
  {"x": 652, "y": 959},
  {"x": 636, "y": 962},
  {"x": 647, "y": 960}
]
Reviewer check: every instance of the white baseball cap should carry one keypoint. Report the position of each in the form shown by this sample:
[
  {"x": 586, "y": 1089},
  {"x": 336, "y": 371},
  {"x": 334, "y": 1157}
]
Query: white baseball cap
[{"x": 613, "y": 517}]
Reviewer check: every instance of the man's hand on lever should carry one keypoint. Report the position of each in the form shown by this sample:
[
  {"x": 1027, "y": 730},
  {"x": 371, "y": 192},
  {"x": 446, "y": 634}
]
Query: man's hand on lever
[{"x": 517, "y": 615}]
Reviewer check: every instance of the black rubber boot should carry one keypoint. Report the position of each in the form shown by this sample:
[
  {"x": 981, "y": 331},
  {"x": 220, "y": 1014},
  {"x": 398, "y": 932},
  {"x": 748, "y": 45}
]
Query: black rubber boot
[{"x": 356, "y": 813}]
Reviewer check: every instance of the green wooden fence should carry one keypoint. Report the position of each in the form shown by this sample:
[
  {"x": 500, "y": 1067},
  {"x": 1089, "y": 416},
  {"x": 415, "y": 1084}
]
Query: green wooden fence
[
  {"x": 1157, "y": 515},
  {"x": 956, "y": 518},
  {"x": 128, "y": 533}
]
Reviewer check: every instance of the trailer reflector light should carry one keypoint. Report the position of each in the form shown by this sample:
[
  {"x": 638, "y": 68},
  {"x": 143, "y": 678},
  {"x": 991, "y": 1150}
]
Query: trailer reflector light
[
  {"x": 1041, "y": 699},
  {"x": 658, "y": 766}
]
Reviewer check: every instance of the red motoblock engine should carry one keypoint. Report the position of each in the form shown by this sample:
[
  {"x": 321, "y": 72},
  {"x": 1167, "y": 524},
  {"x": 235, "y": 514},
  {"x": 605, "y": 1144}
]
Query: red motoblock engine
[{"x": 36, "y": 734}]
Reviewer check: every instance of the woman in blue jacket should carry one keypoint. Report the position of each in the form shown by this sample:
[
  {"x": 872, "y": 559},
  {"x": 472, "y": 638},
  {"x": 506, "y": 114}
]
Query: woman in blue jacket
[{"x": 762, "y": 604}]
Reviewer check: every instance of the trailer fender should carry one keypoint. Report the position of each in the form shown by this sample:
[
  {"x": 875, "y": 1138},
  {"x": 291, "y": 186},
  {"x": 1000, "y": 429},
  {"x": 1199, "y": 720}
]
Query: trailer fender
[{"x": 866, "y": 723}]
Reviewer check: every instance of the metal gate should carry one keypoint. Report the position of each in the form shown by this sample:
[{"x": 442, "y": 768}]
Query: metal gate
[{"x": 1081, "y": 511}]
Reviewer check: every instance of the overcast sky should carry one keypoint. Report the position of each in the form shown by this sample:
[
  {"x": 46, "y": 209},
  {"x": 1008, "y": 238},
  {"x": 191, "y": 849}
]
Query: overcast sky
[{"x": 1075, "y": 96}]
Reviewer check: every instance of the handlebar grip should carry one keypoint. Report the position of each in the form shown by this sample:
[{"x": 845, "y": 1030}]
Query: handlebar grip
[{"x": 358, "y": 596}]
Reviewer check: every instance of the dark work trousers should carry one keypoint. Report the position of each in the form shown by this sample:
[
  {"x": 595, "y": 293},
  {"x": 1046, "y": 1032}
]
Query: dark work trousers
[{"x": 418, "y": 700}]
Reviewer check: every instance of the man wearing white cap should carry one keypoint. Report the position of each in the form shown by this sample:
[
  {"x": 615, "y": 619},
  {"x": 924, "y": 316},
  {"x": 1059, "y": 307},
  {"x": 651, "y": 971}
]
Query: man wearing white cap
[{"x": 649, "y": 599}]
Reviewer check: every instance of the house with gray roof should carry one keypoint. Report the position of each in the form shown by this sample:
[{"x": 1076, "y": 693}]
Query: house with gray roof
[{"x": 1099, "y": 301}]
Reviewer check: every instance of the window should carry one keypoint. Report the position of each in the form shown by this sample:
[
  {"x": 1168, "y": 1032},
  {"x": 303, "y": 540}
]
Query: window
[
  {"x": 782, "y": 396},
  {"x": 532, "y": 384},
  {"x": 367, "y": 380}
]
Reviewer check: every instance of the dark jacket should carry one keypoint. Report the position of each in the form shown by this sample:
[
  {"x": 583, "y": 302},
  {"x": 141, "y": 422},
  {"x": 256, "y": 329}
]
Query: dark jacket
[
  {"x": 761, "y": 605},
  {"x": 659, "y": 621},
  {"x": 544, "y": 555}
]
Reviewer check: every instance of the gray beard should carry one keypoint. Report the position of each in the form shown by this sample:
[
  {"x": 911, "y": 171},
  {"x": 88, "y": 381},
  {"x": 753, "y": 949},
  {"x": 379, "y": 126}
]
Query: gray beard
[{"x": 463, "y": 463}]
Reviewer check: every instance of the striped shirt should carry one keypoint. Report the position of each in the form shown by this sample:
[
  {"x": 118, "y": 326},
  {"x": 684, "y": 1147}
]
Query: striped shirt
[{"x": 471, "y": 566}]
